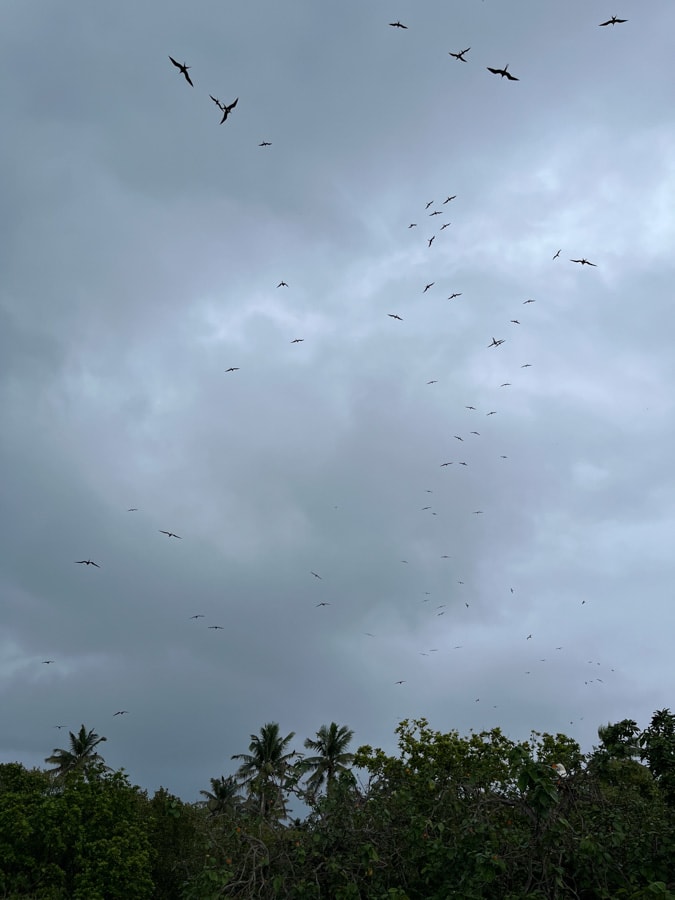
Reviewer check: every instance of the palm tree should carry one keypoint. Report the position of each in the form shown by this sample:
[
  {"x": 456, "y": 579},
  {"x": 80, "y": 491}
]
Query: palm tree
[
  {"x": 265, "y": 769},
  {"x": 332, "y": 759},
  {"x": 223, "y": 796},
  {"x": 80, "y": 756}
]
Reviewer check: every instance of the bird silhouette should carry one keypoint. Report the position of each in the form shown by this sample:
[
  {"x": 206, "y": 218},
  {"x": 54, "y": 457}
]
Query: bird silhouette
[
  {"x": 398, "y": 25},
  {"x": 503, "y": 72},
  {"x": 460, "y": 57},
  {"x": 316, "y": 576},
  {"x": 228, "y": 109},
  {"x": 216, "y": 627},
  {"x": 584, "y": 262},
  {"x": 47, "y": 662},
  {"x": 133, "y": 509},
  {"x": 452, "y": 296},
  {"x": 297, "y": 341},
  {"x": 170, "y": 534},
  {"x": 232, "y": 369},
  {"x": 431, "y": 240},
  {"x": 323, "y": 604},
  {"x": 495, "y": 342},
  {"x": 183, "y": 70},
  {"x": 86, "y": 562},
  {"x": 394, "y": 316},
  {"x": 612, "y": 21},
  {"x": 282, "y": 284},
  {"x": 430, "y": 285},
  {"x": 265, "y": 144},
  {"x": 199, "y": 616},
  {"x": 557, "y": 255},
  {"x": 120, "y": 712}
]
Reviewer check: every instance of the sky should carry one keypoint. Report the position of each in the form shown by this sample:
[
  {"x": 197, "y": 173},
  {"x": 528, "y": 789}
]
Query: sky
[{"x": 142, "y": 243}]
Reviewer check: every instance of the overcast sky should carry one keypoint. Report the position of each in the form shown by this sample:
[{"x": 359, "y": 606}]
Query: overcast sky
[{"x": 141, "y": 245}]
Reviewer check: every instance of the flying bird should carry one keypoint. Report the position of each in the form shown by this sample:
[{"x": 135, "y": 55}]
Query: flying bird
[
  {"x": 228, "y": 109},
  {"x": 460, "y": 57},
  {"x": 452, "y": 296},
  {"x": 46, "y": 662},
  {"x": 170, "y": 534},
  {"x": 183, "y": 70},
  {"x": 199, "y": 616},
  {"x": 430, "y": 203},
  {"x": 528, "y": 301},
  {"x": 323, "y": 604},
  {"x": 412, "y": 225},
  {"x": 454, "y": 196},
  {"x": 86, "y": 562},
  {"x": 431, "y": 284},
  {"x": 446, "y": 225},
  {"x": 464, "y": 464},
  {"x": 557, "y": 255},
  {"x": 431, "y": 240},
  {"x": 265, "y": 144},
  {"x": 493, "y": 412},
  {"x": 506, "y": 384},
  {"x": 475, "y": 432},
  {"x": 297, "y": 341},
  {"x": 282, "y": 284},
  {"x": 59, "y": 726},
  {"x": 495, "y": 342},
  {"x": 216, "y": 101},
  {"x": 398, "y": 25},
  {"x": 120, "y": 712},
  {"x": 399, "y": 682},
  {"x": 469, "y": 407},
  {"x": 584, "y": 262},
  {"x": 216, "y": 628},
  {"x": 503, "y": 72},
  {"x": 436, "y": 212},
  {"x": 433, "y": 381},
  {"x": 232, "y": 369},
  {"x": 446, "y": 464},
  {"x": 133, "y": 509},
  {"x": 526, "y": 366},
  {"x": 316, "y": 576},
  {"x": 612, "y": 21},
  {"x": 458, "y": 437},
  {"x": 394, "y": 316}
]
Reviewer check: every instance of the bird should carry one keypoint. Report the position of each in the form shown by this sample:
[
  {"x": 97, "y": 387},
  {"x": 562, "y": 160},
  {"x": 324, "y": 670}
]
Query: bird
[
  {"x": 445, "y": 556},
  {"x": 232, "y": 369},
  {"x": 495, "y": 342},
  {"x": 316, "y": 576},
  {"x": 323, "y": 604},
  {"x": 394, "y": 316},
  {"x": 464, "y": 464},
  {"x": 425, "y": 507},
  {"x": 433, "y": 381},
  {"x": 59, "y": 726},
  {"x": 469, "y": 407},
  {"x": 86, "y": 562},
  {"x": 216, "y": 101},
  {"x": 528, "y": 301},
  {"x": 265, "y": 144},
  {"x": 369, "y": 634},
  {"x": 452, "y": 296},
  {"x": 475, "y": 432},
  {"x": 503, "y": 72},
  {"x": 436, "y": 212},
  {"x": 460, "y": 55},
  {"x": 431, "y": 240},
  {"x": 282, "y": 284},
  {"x": 430, "y": 203},
  {"x": 584, "y": 262},
  {"x": 399, "y": 682},
  {"x": 46, "y": 662},
  {"x": 133, "y": 509},
  {"x": 170, "y": 534},
  {"x": 228, "y": 109},
  {"x": 297, "y": 341},
  {"x": 506, "y": 384},
  {"x": 426, "y": 287},
  {"x": 515, "y": 322},
  {"x": 493, "y": 412},
  {"x": 398, "y": 25},
  {"x": 198, "y": 616},
  {"x": 454, "y": 196},
  {"x": 446, "y": 225},
  {"x": 612, "y": 21},
  {"x": 216, "y": 628},
  {"x": 412, "y": 225},
  {"x": 528, "y": 637},
  {"x": 478, "y": 512},
  {"x": 446, "y": 464},
  {"x": 183, "y": 70},
  {"x": 120, "y": 712},
  {"x": 458, "y": 437},
  {"x": 526, "y": 366},
  {"x": 557, "y": 255}
]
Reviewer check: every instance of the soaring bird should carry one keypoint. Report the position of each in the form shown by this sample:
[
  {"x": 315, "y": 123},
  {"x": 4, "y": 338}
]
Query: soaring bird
[
  {"x": 133, "y": 509},
  {"x": 232, "y": 369},
  {"x": 452, "y": 296},
  {"x": 436, "y": 212},
  {"x": 412, "y": 225},
  {"x": 557, "y": 255},
  {"x": 399, "y": 682},
  {"x": 316, "y": 576},
  {"x": 198, "y": 616},
  {"x": 323, "y": 604},
  {"x": 493, "y": 412},
  {"x": 612, "y": 21},
  {"x": 183, "y": 70},
  {"x": 282, "y": 284},
  {"x": 469, "y": 407},
  {"x": 503, "y": 72},
  {"x": 446, "y": 464},
  {"x": 433, "y": 381},
  {"x": 431, "y": 240},
  {"x": 297, "y": 341},
  {"x": 426, "y": 288},
  {"x": 526, "y": 366},
  {"x": 515, "y": 322},
  {"x": 447, "y": 225},
  {"x": 398, "y": 25},
  {"x": 458, "y": 437},
  {"x": 495, "y": 342},
  {"x": 217, "y": 627},
  {"x": 430, "y": 203},
  {"x": 120, "y": 712},
  {"x": 265, "y": 144},
  {"x": 170, "y": 534},
  {"x": 454, "y": 196},
  {"x": 460, "y": 56},
  {"x": 228, "y": 109},
  {"x": 525, "y": 302},
  {"x": 86, "y": 562},
  {"x": 394, "y": 316},
  {"x": 584, "y": 262},
  {"x": 46, "y": 662}
]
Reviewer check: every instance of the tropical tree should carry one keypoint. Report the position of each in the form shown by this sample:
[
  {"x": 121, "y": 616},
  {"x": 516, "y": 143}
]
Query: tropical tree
[
  {"x": 224, "y": 795},
  {"x": 81, "y": 755},
  {"x": 266, "y": 769},
  {"x": 332, "y": 758}
]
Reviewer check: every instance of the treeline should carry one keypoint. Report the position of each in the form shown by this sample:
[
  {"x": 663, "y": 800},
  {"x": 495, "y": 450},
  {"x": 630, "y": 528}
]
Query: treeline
[{"x": 445, "y": 817}]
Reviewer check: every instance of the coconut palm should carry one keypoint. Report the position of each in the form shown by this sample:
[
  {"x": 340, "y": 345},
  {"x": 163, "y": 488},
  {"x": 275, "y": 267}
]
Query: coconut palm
[
  {"x": 223, "y": 796},
  {"x": 332, "y": 759},
  {"x": 265, "y": 769},
  {"x": 80, "y": 756}
]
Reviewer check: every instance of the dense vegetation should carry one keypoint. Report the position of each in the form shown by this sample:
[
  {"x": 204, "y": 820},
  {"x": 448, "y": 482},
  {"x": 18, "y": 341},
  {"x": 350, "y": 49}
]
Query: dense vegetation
[{"x": 447, "y": 816}]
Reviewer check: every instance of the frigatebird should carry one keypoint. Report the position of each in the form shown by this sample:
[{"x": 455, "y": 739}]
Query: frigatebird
[
  {"x": 399, "y": 682},
  {"x": 459, "y": 438},
  {"x": 412, "y": 225},
  {"x": 612, "y": 21},
  {"x": 460, "y": 55},
  {"x": 228, "y": 109},
  {"x": 431, "y": 284},
  {"x": 323, "y": 604},
  {"x": 515, "y": 321},
  {"x": 197, "y": 617},
  {"x": 452, "y": 296},
  {"x": 493, "y": 412},
  {"x": 297, "y": 341},
  {"x": 454, "y": 196},
  {"x": 120, "y": 712},
  {"x": 496, "y": 343},
  {"x": 86, "y": 562},
  {"x": 526, "y": 366},
  {"x": 503, "y": 72},
  {"x": 469, "y": 407},
  {"x": 433, "y": 381},
  {"x": 282, "y": 284},
  {"x": 394, "y": 316},
  {"x": 170, "y": 534},
  {"x": 436, "y": 212},
  {"x": 557, "y": 255},
  {"x": 430, "y": 203},
  {"x": 183, "y": 70},
  {"x": 584, "y": 262},
  {"x": 431, "y": 240},
  {"x": 446, "y": 225},
  {"x": 217, "y": 627},
  {"x": 46, "y": 662},
  {"x": 446, "y": 464},
  {"x": 398, "y": 25},
  {"x": 265, "y": 144},
  {"x": 316, "y": 576},
  {"x": 133, "y": 509},
  {"x": 528, "y": 301}
]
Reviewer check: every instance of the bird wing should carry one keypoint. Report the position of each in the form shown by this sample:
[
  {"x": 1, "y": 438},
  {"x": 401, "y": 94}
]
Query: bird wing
[
  {"x": 511, "y": 77},
  {"x": 176, "y": 64}
]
